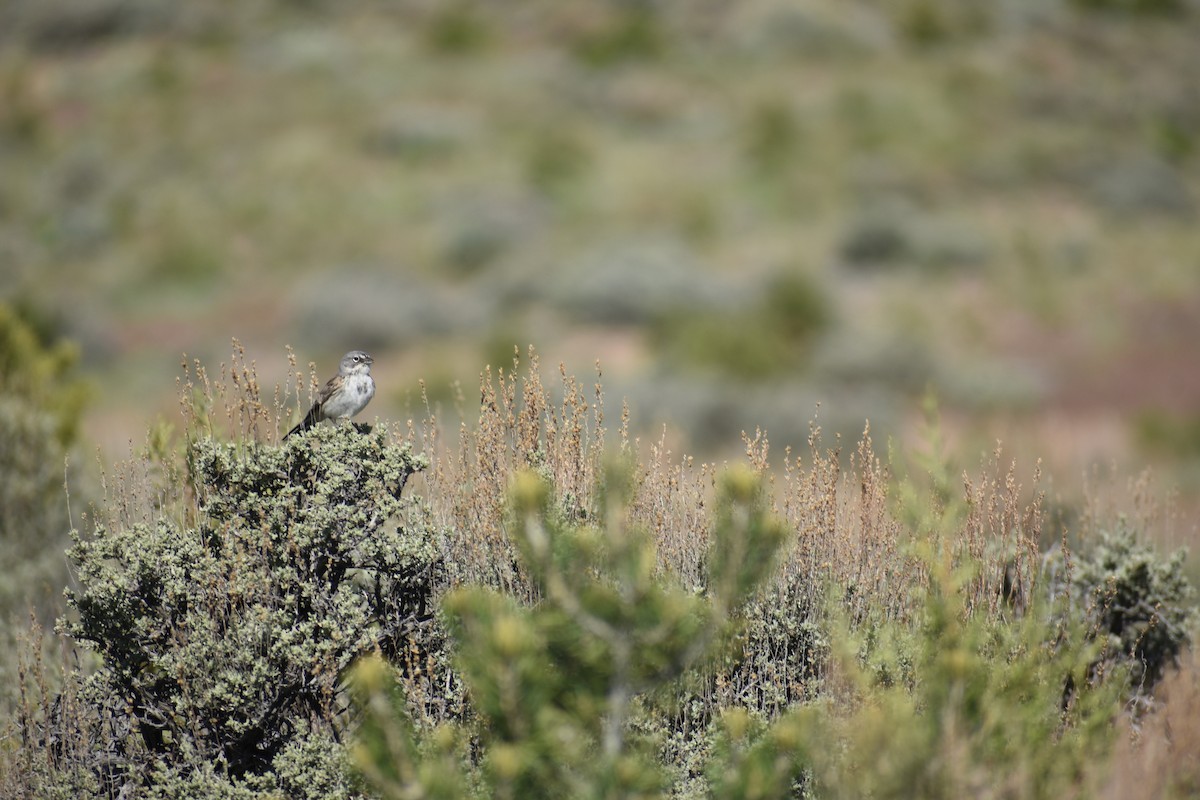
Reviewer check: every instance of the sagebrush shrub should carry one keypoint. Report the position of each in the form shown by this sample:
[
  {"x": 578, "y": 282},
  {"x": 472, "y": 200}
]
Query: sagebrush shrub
[
  {"x": 224, "y": 627},
  {"x": 1139, "y": 600},
  {"x": 953, "y": 706}
]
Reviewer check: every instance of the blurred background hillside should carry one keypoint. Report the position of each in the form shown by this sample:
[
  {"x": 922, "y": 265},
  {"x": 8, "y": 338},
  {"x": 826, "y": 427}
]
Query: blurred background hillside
[{"x": 742, "y": 210}]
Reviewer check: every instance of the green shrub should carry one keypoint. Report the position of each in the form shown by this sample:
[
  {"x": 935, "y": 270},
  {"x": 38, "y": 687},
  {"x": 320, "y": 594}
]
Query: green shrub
[
  {"x": 41, "y": 403},
  {"x": 772, "y": 136},
  {"x": 555, "y": 686},
  {"x": 224, "y": 626},
  {"x": 926, "y": 23},
  {"x": 771, "y": 338},
  {"x": 558, "y": 160},
  {"x": 457, "y": 29},
  {"x": 631, "y": 32},
  {"x": 40, "y": 371},
  {"x": 955, "y": 706},
  {"x": 1140, "y": 601},
  {"x": 782, "y": 648},
  {"x": 1177, "y": 435}
]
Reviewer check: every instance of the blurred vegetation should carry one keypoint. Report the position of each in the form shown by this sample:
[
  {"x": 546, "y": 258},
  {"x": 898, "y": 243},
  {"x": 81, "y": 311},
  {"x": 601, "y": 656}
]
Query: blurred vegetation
[
  {"x": 413, "y": 178},
  {"x": 42, "y": 398},
  {"x": 772, "y": 338},
  {"x": 1173, "y": 433},
  {"x": 39, "y": 370}
]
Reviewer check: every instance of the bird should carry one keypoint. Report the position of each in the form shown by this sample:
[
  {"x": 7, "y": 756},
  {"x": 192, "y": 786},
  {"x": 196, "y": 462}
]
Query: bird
[{"x": 346, "y": 393}]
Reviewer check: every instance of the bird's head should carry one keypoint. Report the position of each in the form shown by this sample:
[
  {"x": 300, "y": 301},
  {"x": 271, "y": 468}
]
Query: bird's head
[{"x": 355, "y": 361}]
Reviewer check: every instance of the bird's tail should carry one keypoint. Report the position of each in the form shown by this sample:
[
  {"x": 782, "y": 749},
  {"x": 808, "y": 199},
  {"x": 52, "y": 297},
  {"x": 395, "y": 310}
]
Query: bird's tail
[{"x": 309, "y": 420}]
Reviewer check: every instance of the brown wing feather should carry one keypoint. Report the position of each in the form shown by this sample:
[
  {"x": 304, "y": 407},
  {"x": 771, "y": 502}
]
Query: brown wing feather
[{"x": 314, "y": 414}]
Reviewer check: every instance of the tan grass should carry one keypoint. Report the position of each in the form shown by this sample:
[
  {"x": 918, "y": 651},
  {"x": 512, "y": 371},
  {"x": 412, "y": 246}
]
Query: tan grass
[
  {"x": 843, "y": 516},
  {"x": 1159, "y": 757},
  {"x": 53, "y": 730}
]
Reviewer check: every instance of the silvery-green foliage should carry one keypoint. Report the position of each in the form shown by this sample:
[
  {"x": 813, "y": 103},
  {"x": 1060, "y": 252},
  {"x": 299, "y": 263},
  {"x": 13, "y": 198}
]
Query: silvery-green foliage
[
  {"x": 224, "y": 626},
  {"x": 1140, "y": 601}
]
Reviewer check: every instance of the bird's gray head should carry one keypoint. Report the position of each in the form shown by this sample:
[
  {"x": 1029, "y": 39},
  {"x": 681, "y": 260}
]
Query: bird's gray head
[{"x": 355, "y": 361}]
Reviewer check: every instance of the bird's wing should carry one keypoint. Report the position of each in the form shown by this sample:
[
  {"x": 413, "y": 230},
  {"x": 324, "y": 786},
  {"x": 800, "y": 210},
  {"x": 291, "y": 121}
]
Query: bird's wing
[
  {"x": 314, "y": 414},
  {"x": 327, "y": 391}
]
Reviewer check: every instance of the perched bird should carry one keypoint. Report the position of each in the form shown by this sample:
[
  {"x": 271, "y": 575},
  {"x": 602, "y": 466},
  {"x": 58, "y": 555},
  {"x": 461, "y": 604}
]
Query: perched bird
[{"x": 346, "y": 393}]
